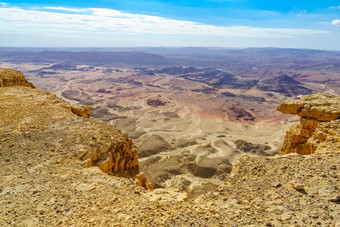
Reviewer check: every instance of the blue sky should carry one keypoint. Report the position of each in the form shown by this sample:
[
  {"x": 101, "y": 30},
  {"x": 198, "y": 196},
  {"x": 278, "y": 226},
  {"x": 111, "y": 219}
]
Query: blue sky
[{"x": 311, "y": 24}]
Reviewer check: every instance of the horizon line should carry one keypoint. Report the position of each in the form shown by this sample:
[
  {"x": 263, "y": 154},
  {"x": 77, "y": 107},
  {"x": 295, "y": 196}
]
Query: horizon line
[{"x": 164, "y": 47}]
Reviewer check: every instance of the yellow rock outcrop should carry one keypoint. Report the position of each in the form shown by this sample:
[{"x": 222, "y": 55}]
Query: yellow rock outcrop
[
  {"x": 81, "y": 110},
  {"x": 10, "y": 77},
  {"x": 319, "y": 128},
  {"x": 51, "y": 119}
]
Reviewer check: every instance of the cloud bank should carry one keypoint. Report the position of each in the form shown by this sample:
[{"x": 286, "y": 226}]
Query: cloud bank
[
  {"x": 65, "y": 9},
  {"x": 99, "y": 20},
  {"x": 336, "y": 22},
  {"x": 334, "y": 7}
]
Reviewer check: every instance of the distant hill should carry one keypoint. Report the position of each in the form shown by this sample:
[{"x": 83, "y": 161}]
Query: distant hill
[
  {"x": 281, "y": 80},
  {"x": 240, "y": 60},
  {"x": 215, "y": 78},
  {"x": 174, "y": 70},
  {"x": 89, "y": 58},
  {"x": 285, "y": 85}
]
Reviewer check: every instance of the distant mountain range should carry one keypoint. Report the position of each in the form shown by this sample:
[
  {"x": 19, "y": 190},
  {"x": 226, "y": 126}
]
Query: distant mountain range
[
  {"x": 267, "y": 69},
  {"x": 222, "y": 58},
  {"x": 87, "y": 58},
  {"x": 218, "y": 79}
]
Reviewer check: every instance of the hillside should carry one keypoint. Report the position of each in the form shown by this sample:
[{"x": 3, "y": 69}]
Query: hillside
[{"x": 46, "y": 178}]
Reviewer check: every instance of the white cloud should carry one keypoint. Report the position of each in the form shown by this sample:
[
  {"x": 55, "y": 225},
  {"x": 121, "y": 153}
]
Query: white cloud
[
  {"x": 336, "y": 22},
  {"x": 302, "y": 12},
  {"x": 65, "y": 9},
  {"x": 110, "y": 22},
  {"x": 334, "y": 7},
  {"x": 3, "y": 3}
]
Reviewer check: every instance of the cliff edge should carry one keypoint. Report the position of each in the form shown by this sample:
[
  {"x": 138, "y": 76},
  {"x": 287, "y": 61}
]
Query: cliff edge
[
  {"x": 10, "y": 77},
  {"x": 319, "y": 127},
  {"x": 45, "y": 122}
]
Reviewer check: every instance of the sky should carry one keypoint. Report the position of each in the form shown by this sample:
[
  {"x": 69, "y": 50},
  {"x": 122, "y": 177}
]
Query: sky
[{"x": 312, "y": 24}]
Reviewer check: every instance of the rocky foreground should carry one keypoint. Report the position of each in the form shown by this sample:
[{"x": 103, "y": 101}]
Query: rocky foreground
[{"x": 45, "y": 146}]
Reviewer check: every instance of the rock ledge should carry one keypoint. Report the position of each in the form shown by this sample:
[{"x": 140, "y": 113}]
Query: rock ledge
[
  {"x": 10, "y": 77},
  {"x": 319, "y": 128}
]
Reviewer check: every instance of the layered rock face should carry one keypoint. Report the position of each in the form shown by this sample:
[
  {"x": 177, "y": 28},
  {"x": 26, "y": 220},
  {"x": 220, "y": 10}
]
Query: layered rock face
[
  {"x": 102, "y": 145},
  {"x": 10, "y": 77},
  {"x": 319, "y": 128}
]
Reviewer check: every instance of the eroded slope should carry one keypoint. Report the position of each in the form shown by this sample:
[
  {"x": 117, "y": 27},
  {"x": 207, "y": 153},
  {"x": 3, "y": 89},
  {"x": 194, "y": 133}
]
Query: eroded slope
[
  {"x": 44, "y": 121},
  {"x": 301, "y": 190}
]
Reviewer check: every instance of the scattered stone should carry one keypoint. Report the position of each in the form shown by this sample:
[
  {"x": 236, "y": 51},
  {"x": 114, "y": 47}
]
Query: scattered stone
[
  {"x": 333, "y": 167},
  {"x": 298, "y": 186},
  {"x": 141, "y": 180},
  {"x": 269, "y": 224},
  {"x": 335, "y": 199},
  {"x": 277, "y": 185},
  {"x": 315, "y": 216},
  {"x": 286, "y": 216}
]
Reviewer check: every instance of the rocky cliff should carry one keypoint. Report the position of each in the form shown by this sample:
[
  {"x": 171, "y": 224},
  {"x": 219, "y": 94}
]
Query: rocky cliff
[
  {"x": 319, "y": 127},
  {"x": 10, "y": 77},
  {"x": 38, "y": 117}
]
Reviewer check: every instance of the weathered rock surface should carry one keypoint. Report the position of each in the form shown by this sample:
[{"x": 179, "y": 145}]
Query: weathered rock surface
[
  {"x": 283, "y": 190},
  {"x": 10, "y": 77},
  {"x": 30, "y": 112},
  {"x": 319, "y": 128},
  {"x": 322, "y": 107},
  {"x": 81, "y": 110}
]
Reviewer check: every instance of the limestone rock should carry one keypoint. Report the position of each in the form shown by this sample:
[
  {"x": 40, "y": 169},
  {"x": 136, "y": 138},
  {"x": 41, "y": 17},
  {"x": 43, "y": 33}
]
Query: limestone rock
[
  {"x": 297, "y": 185},
  {"x": 319, "y": 128},
  {"x": 81, "y": 110},
  {"x": 42, "y": 113},
  {"x": 322, "y": 107},
  {"x": 117, "y": 157},
  {"x": 141, "y": 180},
  {"x": 10, "y": 77}
]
